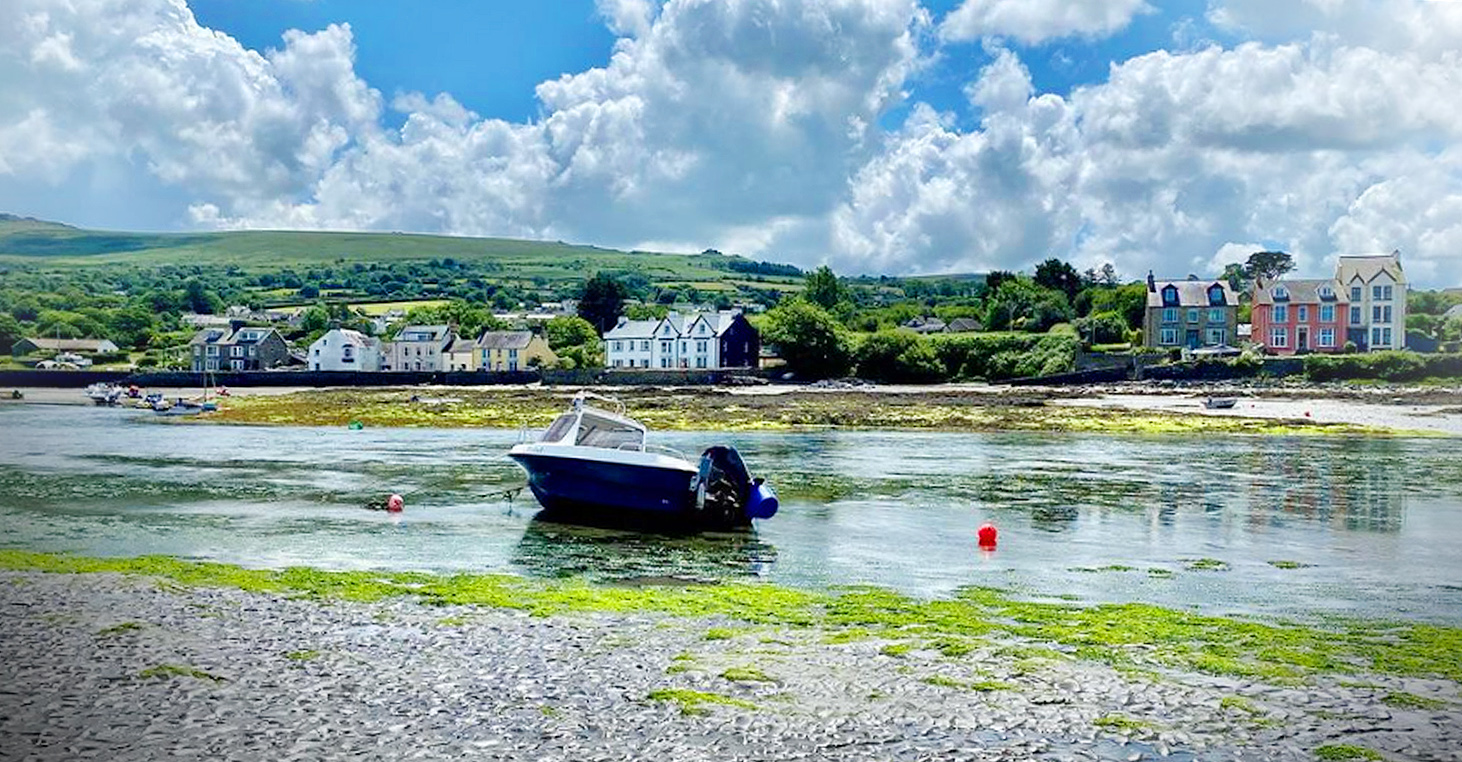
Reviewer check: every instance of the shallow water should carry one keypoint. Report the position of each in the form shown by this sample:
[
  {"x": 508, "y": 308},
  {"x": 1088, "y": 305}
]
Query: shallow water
[{"x": 1376, "y": 522}]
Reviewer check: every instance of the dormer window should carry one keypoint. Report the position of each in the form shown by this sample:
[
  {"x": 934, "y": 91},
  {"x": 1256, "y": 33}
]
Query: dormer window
[
  {"x": 1215, "y": 294},
  {"x": 1280, "y": 292},
  {"x": 1170, "y": 295},
  {"x": 1327, "y": 293}
]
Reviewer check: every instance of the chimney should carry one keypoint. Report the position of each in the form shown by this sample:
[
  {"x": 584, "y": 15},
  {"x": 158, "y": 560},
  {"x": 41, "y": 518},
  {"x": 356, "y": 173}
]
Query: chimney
[
  {"x": 621, "y": 321},
  {"x": 235, "y": 325},
  {"x": 1151, "y": 282}
]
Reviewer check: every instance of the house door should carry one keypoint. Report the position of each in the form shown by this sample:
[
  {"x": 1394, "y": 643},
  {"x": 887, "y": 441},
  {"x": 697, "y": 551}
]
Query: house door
[
  {"x": 1302, "y": 339},
  {"x": 1193, "y": 339}
]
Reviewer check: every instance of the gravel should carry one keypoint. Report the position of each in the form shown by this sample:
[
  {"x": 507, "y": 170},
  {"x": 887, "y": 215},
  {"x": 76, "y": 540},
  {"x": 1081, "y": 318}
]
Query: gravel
[{"x": 107, "y": 667}]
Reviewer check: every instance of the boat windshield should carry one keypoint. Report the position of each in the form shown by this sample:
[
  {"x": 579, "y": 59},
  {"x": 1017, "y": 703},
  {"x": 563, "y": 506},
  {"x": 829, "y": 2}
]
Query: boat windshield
[
  {"x": 595, "y": 431},
  {"x": 560, "y": 428}
]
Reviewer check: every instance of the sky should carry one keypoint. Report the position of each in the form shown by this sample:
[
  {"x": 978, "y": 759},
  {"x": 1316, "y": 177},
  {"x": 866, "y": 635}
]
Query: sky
[{"x": 875, "y": 136}]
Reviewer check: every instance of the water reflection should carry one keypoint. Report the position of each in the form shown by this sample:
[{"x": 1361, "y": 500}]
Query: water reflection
[{"x": 553, "y": 549}]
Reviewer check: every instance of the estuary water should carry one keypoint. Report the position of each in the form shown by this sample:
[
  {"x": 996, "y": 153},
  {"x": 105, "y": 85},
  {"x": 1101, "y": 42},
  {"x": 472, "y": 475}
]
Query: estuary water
[{"x": 1274, "y": 526}]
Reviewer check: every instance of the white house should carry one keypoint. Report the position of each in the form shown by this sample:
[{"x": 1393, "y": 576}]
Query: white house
[
  {"x": 343, "y": 349},
  {"x": 418, "y": 347},
  {"x": 697, "y": 340},
  {"x": 1376, "y": 286}
]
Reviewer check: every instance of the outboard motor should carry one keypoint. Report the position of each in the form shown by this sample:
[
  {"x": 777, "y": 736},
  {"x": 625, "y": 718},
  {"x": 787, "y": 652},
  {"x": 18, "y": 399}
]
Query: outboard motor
[{"x": 726, "y": 495}]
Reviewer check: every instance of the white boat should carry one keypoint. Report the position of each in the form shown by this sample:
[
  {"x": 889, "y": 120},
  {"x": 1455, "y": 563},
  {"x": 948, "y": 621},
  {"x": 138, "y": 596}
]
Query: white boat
[
  {"x": 593, "y": 464},
  {"x": 1219, "y": 403},
  {"x": 103, "y": 394}
]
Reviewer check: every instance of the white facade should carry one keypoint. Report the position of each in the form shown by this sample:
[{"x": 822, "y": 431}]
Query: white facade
[
  {"x": 418, "y": 348},
  {"x": 674, "y": 342},
  {"x": 1376, "y": 286},
  {"x": 341, "y": 349}
]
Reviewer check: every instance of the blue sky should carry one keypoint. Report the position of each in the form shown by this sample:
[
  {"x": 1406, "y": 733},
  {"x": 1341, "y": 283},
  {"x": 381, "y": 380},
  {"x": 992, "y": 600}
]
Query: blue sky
[{"x": 878, "y": 136}]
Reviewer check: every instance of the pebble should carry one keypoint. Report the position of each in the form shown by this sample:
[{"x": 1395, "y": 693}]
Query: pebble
[{"x": 389, "y": 681}]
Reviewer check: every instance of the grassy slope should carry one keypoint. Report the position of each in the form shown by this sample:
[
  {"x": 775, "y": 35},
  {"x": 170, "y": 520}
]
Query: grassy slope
[{"x": 62, "y": 247}]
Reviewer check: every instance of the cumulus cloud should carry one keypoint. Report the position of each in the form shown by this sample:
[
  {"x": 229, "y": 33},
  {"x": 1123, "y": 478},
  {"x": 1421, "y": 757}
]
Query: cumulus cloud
[
  {"x": 763, "y": 127},
  {"x": 1036, "y": 21}
]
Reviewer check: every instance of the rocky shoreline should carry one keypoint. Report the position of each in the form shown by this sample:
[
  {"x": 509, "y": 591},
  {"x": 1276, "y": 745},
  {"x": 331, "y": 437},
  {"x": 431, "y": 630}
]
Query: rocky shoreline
[{"x": 134, "y": 667}]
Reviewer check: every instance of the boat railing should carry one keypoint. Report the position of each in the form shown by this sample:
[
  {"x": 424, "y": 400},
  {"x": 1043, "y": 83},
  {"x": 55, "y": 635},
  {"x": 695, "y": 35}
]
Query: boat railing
[{"x": 650, "y": 448}]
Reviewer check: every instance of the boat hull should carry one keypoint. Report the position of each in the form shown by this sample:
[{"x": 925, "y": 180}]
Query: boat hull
[{"x": 569, "y": 484}]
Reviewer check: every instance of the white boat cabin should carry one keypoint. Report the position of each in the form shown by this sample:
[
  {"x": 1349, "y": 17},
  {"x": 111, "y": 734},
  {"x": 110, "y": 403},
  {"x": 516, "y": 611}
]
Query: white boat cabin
[{"x": 586, "y": 426}]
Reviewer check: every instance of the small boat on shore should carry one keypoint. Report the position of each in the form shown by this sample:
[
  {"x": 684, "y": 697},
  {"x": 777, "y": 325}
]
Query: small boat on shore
[
  {"x": 593, "y": 465},
  {"x": 1220, "y": 403},
  {"x": 103, "y": 395}
]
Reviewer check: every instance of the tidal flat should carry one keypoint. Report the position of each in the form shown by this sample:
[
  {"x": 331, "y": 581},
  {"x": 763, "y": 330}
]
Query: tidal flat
[
  {"x": 137, "y": 658},
  {"x": 721, "y": 410}
]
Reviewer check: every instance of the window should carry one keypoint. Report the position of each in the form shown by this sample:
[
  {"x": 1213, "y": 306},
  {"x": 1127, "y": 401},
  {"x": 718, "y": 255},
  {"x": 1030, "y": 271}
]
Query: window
[
  {"x": 1327, "y": 313},
  {"x": 645, "y": 347},
  {"x": 664, "y": 362},
  {"x": 1355, "y": 295},
  {"x": 1170, "y": 315},
  {"x": 238, "y": 364},
  {"x": 1169, "y": 336},
  {"x": 1169, "y": 295},
  {"x": 512, "y": 354},
  {"x": 700, "y": 346},
  {"x": 618, "y": 347},
  {"x": 1381, "y": 293},
  {"x": 212, "y": 351},
  {"x": 253, "y": 351},
  {"x": 1192, "y": 316},
  {"x": 1215, "y": 294},
  {"x": 1355, "y": 315},
  {"x": 1216, "y": 336},
  {"x": 700, "y": 362},
  {"x": 317, "y": 351},
  {"x": 1375, "y": 313},
  {"x": 1327, "y": 337},
  {"x": 1327, "y": 292},
  {"x": 238, "y": 351},
  {"x": 618, "y": 363},
  {"x": 1280, "y": 292},
  {"x": 1281, "y": 313},
  {"x": 682, "y": 346},
  {"x": 1278, "y": 337},
  {"x": 1375, "y": 336},
  {"x": 1215, "y": 315},
  {"x": 1303, "y": 313},
  {"x": 665, "y": 346},
  {"x": 1386, "y": 336},
  {"x": 1386, "y": 314}
]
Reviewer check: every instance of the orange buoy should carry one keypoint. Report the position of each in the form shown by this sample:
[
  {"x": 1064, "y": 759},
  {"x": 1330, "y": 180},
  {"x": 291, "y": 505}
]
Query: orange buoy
[
  {"x": 395, "y": 504},
  {"x": 988, "y": 535}
]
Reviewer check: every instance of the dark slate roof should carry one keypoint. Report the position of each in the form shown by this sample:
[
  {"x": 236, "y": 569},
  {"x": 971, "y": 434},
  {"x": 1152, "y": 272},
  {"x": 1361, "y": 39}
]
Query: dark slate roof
[
  {"x": 1191, "y": 293},
  {"x": 504, "y": 340},
  {"x": 1300, "y": 291}
]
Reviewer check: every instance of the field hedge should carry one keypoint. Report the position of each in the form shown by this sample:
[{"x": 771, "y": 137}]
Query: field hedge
[{"x": 1383, "y": 366}]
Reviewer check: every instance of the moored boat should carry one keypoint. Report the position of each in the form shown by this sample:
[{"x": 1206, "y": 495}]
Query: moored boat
[
  {"x": 593, "y": 464},
  {"x": 1219, "y": 403}
]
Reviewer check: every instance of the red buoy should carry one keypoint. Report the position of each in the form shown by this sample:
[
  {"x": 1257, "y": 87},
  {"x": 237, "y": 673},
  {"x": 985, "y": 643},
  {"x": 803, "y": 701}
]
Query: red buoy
[
  {"x": 988, "y": 535},
  {"x": 394, "y": 504}
]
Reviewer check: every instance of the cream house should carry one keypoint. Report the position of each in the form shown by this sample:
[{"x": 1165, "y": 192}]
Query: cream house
[
  {"x": 512, "y": 351},
  {"x": 418, "y": 348},
  {"x": 344, "y": 349},
  {"x": 1376, "y": 287}
]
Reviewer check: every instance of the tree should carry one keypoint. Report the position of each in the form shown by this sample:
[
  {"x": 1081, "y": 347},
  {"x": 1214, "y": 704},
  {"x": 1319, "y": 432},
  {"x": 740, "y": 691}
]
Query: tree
[
  {"x": 9, "y": 332},
  {"x": 824, "y": 289},
  {"x": 1022, "y": 305},
  {"x": 569, "y": 331},
  {"x": 1268, "y": 265},
  {"x": 808, "y": 338},
  {"x": 1058, "y": 276},
  {"x": 1130, "y": 301},
  {"x": 602, "y": 301},
  {"x": 995, "y": 278}
]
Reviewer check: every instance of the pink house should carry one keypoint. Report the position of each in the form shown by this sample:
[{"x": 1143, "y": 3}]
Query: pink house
[{"x": 1293, "y": 316}]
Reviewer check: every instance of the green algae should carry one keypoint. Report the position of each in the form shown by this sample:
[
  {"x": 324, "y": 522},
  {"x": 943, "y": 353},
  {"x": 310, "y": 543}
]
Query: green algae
[
  {"x": 1239, "y": 703},
  {"x": 1132, "y": 635},
  {"x": 1346, "y": 753},
  {"x": 680, "y": 410},
  {"x": 1108, "y": 568},
  {"x": 308, "y": 654},
  {"x": 720, "y": 633},
  {"x": 120, "y": 628},
  {"x": 747, "y": 675},
  {"x": 979, "y": 686},
  {"x": 1206, "y": 564},
  {"x": 1404, "y": 700},
  {"x": 694, "y": 702},
  {"x": 1123, "y": 724},
  {"x": 179, "y": 670},
  {"x": 1283, "y": 564}
]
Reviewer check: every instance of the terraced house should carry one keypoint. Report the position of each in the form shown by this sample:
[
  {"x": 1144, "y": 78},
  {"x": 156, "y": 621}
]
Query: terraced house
[
  {"x": 238, "y": 348},
  {"x": 1295, "y": 316},
  {"x": 1376, "y": 286},
  {"x": 693, "y": 341},
  {"x": 1190, "y": 313},
  {"x": 418, "y": 348}
]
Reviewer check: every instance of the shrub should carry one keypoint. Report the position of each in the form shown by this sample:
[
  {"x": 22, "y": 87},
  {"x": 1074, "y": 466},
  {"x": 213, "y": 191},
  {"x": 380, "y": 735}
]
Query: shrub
[
  {"x": 899, "y": 356},
  {"x": 810, "y": 340},
  {"x": 1001, "y": 356},
  {"x": 1102, "y": 328},
  {"x": 1382, "y": 366}
]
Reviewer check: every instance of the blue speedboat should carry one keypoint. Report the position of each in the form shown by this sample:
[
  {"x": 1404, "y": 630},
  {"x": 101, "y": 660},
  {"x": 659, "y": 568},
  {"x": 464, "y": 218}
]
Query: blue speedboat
[{"x": 593, "y": 464}]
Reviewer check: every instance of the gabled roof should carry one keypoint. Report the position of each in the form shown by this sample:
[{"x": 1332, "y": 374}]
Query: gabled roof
[
  {"x": 633, "y": 329},
  {"x": 1191, "y": 293},
  {"x": 682, "y": 325},
  {"x": 1300, "y": 291},
  {"x": 1367, "y": 267},
  {"x": 1454, "y": 312},
  {"x": 348, "y": 336},
  {"x": 436, "y": 332},
  {"x": 71, "y": 345},
  {"x": 504, "y": 340}
]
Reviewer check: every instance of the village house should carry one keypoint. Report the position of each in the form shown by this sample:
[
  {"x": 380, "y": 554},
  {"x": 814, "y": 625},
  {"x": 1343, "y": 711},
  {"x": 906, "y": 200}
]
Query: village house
[
  {"x": 238, "y": 348},
  {"x": 344, "y": 349},
  {"x": 418, "y": 348},
  {"x": 696, "y": 340},
  {"x": 461, "y": 354},
  {"x": 40, "y": 345},
  {"x": 1189, "y": 313},
  {"x": 1297, "y": 316},
  {"x": 1376, "y": 287},
  {"x": 513, "y": 350}
]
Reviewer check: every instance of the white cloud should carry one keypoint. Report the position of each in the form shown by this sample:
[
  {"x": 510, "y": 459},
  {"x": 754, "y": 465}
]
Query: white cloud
[
  {"x": 1036, "y": 21},
  {"x": 628, "y": 18}
]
